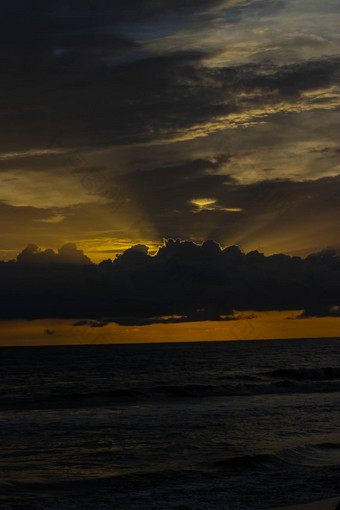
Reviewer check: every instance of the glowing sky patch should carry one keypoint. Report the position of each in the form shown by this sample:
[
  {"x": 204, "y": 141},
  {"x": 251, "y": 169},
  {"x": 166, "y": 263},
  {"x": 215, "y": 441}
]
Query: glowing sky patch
[{"x": 210, "y": 204}]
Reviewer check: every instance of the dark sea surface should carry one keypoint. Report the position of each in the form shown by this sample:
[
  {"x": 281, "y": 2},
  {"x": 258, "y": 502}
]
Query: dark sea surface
[{"x": 217, "y": 425}]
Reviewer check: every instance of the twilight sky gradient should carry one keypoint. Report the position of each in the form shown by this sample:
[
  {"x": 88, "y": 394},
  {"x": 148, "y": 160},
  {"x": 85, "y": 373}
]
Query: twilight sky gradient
[{"x": 127, "y": 122}]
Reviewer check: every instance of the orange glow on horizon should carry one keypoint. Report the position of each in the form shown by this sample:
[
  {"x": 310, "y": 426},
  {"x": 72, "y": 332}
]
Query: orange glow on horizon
[{"x": 265, "y": 325}]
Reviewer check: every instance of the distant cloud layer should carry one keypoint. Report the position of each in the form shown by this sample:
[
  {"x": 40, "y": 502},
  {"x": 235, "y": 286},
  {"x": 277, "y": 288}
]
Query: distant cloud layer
[{"x": 183, "y": 282}]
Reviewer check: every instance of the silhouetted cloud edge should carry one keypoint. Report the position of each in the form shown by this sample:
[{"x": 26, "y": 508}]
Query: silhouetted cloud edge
[{"x": 183, "y": 282}]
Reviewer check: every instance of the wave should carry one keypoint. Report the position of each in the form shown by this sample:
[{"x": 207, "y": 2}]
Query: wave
[
  {"x": 73, "y": 400},
  {"x": 305, "y": 374},
  {"x": 280, "y": 381},
  {"x": 248, "y": 462},
  {"x": 121, "y": 396},
  {"x": 315, "y": 455},
  {"x": 247, "y": 389}
]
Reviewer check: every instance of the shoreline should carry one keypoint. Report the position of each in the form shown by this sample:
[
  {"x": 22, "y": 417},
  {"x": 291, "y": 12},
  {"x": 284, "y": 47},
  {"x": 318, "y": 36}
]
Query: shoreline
[{"x": 324, "y": 504}]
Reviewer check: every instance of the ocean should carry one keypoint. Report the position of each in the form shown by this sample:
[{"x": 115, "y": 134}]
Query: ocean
[{"x": 188, "y": 426}]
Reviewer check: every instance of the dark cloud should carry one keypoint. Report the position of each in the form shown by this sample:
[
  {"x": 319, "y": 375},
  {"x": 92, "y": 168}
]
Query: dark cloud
[
  {"x": 183, "y": 282},
  {"x": 292, "y": 80},
  {"x": 66, "y": 255},
  {"x": 77, "y": 75},
  {"x": 91, "y": 324},
  {"x": 49, "y": 332}
]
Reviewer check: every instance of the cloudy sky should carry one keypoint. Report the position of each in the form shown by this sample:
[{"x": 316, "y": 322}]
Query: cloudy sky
[{"x": 127, "y": 122}]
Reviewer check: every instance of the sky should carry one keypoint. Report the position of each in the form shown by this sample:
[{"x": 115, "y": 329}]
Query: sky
[{"x": 129, "y": 123}]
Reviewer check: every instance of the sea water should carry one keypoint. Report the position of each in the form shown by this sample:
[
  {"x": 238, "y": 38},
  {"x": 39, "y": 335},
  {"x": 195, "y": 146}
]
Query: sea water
[{"x": 214, "y": 425}]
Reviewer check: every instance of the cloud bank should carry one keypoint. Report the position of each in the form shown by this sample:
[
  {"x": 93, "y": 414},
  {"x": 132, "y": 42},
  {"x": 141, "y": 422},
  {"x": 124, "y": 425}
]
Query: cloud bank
[{"x": 182, "y": 282}]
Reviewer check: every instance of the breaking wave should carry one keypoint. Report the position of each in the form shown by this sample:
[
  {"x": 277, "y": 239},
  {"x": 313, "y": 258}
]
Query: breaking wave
[
  {"x": 300, "y": 382},
  {"x": 306, "y": 374},
  {"x": 315, "y": 455}
]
